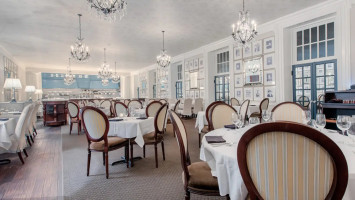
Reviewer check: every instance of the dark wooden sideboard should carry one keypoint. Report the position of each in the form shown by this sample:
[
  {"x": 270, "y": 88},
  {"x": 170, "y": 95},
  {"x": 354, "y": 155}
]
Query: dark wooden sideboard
[{"x": 54, "y": 112}]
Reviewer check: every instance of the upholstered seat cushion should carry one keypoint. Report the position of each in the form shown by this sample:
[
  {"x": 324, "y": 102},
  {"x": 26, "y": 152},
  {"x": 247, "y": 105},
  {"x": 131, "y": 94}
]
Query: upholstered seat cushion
[
  {"x": 205, "y": 129},
  {"x": 201, "y": 177},
  {"x": 112, "y": 141},
  {"x": 149, "y": 138}
]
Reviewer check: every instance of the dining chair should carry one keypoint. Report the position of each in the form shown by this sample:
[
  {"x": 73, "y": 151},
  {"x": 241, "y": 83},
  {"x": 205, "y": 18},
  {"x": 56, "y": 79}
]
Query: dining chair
[
  {"x": 197, "y": 177},
  {"x": 163, "y": 101},
  {"x": 96, "y": 126},
  {"x": 289, "y": 111},
  {"x": 288, "y": 160},
  {"x": 175, "y": 109},
  {"x": 187, "y": 109},
  {"x": 152, "y": 108},
  {"x": 155, "y": 137},
  {"x": 220, "y": 115},
  {"x": 28, "y": 120},
  {"x": 264, "y": 104},
  {"x": 120, "y": 108},
  {"x": 32, "y": 126},
  {"x": 135, "y": 104},
  {"x": 74, "y": 114},
  {"x": 97, "y": 102},
  {"x": 234, "y": 102},
  {"x": 106, "y": 104},
  {"x": 244, "y": 109},
  {"x": 198, "y": 106},
  {"x": 126, "y": 101}
]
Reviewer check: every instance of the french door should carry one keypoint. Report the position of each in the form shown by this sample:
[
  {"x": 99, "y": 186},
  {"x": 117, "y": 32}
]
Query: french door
[
  {"x": 222, "y": 88},
  {"x": 312, "y": 80},
  {"x": 178, "y": 86}
]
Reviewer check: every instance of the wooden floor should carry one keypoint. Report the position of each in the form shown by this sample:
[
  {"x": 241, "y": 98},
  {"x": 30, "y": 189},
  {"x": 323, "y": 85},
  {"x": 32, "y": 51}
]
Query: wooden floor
[{"x": 41, "y": 175}]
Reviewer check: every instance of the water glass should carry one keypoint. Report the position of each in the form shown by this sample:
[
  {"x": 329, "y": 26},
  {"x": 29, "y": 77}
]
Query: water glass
[
  {"x": 254, "y": 120},
  {"x": 266, "y": 115},
  {"x": 320, "y": 121},
  {"x": 343, "y": 123},
  {"x": 308, "y": 116},
  {"x": 235, "y": 118}
]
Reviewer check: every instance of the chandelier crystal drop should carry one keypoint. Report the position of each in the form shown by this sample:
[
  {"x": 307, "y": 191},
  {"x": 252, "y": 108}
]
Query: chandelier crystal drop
[
  {"x": 69, "y": 77},
  {"x": 163, "y": 59},
  {"x": 109, "y": 10},
  {"x": 245, "y": 29},
  {"x": 115, "y": 76},
  {"x": 104, "y": 71},
  {"x": 79, "y": 50}
]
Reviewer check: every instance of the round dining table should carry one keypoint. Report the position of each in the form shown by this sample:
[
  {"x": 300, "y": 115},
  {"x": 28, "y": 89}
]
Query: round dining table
[{"x": 222, "y": 159}]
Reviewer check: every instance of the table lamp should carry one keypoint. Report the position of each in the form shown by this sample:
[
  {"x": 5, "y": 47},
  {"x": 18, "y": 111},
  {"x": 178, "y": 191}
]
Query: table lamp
[
  {"x": 30, "y": 89},
  {"x": 12, "y": 83},
  {"x": 39, "y": 93}
]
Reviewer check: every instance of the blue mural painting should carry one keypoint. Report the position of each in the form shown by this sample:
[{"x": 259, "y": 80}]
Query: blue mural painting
[{"x": 56, "y": 81}]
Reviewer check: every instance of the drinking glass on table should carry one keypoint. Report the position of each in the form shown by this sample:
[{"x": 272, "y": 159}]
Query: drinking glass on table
[
  {"x": 308, "y": 116},
  {"x": 343, "y": 123},
  {"x": 320, "y": 121},
  {"x": 254, "y": 120},
  {"x": 235, "y": 119},
  {"x": 266, "y": 115}
]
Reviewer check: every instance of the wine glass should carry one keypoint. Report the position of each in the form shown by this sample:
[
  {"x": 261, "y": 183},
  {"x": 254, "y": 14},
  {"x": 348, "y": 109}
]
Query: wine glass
[
  {"x": 240, "y": 122},
  {"x": 266, "y": 115},
  {"x": 235, "y": 119},
  {"x": 320, "y": 121},
  {"x": 308, "y": 116},
  {"x": 253, "y": 120},
  {"x": 343, "y": 123}
]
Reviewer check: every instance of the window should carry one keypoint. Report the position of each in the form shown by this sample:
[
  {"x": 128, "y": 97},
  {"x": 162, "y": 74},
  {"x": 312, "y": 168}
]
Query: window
[
  {"x": 154, "y": 91},
  {"x": 179, "y": 72},
  {"x": 179, "y": 89},
  {"x": 315, "y": 42},
  {"x": 223, "y": 62}
]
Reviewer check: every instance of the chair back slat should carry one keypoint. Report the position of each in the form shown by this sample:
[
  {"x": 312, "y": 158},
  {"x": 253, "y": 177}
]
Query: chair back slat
[{"x": 152, "y": 108}]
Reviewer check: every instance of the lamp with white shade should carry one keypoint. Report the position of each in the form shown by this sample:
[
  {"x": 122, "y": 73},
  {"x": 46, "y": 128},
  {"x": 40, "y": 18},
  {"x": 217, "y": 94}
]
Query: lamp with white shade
[
  {"x": 14, "y": 84},
  {"x": 39, "y": 93},
  {"x": 30, "y": 89}
]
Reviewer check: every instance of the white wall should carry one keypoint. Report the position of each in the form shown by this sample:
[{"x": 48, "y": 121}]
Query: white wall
[{"x": 352, "y": 62}]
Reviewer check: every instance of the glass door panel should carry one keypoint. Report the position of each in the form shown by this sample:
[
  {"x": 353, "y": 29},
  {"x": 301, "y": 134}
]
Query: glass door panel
[{"x": 222, "y": 88}]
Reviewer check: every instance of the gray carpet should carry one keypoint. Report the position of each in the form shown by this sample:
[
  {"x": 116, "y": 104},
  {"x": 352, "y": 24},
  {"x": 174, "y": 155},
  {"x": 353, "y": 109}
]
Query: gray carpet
[{"x": 143, "y": 181}]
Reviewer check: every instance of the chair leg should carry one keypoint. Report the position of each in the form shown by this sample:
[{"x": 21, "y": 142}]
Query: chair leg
[
  {"x": 131, "y": 154},
  {"x": 103, "y": 158},
  {"x": 71, "y": 127},
  {"x": 25, "y": 152},
  {"x": 187, "y": 195},
  {"x": 20, "y": 156},
  {"x": 156, "y": 155},
  {"x": 28, "y": 140},
  {"x": 32, "y": 139},
  {"x": 126, "y": 152},
  {"x": 35, "y": 130},
  {"x": 162, "y": 148},
  {"x": 79, "y": 128},
  {"x": 199, "y": 140},
  {"x": 144, "y": 151},
  {"x": 88, "y": 167},
  {"x": 106, "y": 160}
]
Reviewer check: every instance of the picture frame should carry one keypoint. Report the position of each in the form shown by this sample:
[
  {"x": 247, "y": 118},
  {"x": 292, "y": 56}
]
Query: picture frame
[
  {"x": 247, "y": 51},
  {"x": 191, "y": 65},
  {"x": 200, "y": 63},
  {"x": 248, "y": 93},
  {"x": 237, "y": 53},
  {"x": 257, "y": 48},
  {"x": 201, "y": 73},
  {"x": 258, "y": 93},
  {"x": 238, "y": 80},
  {"x": 269, "y": 77},
  {"x": 269, "y": 61},
  {"x": 238, "y": 66},
  {"x": 270, "y": 92},
  {"x": 195, "y": 64},
  {"x": 269, "y": 45},
  {"x": 253, "y": 71},
  {"x": 238, "y": 94}
]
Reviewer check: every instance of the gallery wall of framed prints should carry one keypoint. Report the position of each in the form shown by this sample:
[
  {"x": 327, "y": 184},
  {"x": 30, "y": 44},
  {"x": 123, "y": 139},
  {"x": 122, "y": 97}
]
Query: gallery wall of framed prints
[
  {"x": 262, "y": 50},
  {"x": 162, "y": 82},
  {"x": 143, "y": 84},
  {"x": 194, "y": 78}
]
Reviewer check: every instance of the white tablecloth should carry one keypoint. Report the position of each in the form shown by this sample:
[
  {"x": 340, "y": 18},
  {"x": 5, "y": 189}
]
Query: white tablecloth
[
  {"x": 201, "y": 120},
  {"x": 251, "y": 109},
  {"x": 224, "y": 164},
  {"x": 140, "y": 112},
  {"x": 131, "y": 127},
  {"x": 7, "y": 128}
]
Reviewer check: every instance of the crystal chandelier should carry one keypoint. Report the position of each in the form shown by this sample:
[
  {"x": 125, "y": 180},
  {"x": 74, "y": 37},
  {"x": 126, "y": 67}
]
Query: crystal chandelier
[
  {"x": 69, "y": 77},
  {"x": 245, "y": 30},
  {"x": 104, "y": 82},
  {"x": 79, "y": 50},
  {"x": 109, "y": 9},
  {"x": 163, "y": 59},
  {"x": 115, "y": 76},
  {"x": 105, "y": 71}
]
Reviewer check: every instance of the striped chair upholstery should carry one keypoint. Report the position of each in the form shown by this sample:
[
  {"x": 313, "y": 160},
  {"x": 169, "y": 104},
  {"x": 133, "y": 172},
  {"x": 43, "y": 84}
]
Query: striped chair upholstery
[
  {"x": 286, "y": 160},
  {"x": 152, "y": 108},
  {"x": 289, "y": 111},
  {"x": 221, "y": 115},
  {"x": 94, "y": 123},
  {"x": 73, "y": 109}
]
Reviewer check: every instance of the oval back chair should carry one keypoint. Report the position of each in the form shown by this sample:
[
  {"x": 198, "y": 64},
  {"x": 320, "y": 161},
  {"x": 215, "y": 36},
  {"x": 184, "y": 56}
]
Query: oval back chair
[
  {"x": 244, "y": 109},
  {"x": 234, "y": 102},
  {"x": 120, "y": 108},
  {"x": 152, "y": 108},
  {"x": 221, "y": 115},
  {"x": 74, "y": 110},
  {"x": 289, "y": 111}
]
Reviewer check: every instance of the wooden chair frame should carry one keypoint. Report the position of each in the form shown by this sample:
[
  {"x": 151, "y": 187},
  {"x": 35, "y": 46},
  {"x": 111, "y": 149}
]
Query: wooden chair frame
[
  {"x": 151, "y": 103},
  {"x": 211, "y": 113},
  {"x": 74, "y": 119},
  {"x": 124, "y": 105}
]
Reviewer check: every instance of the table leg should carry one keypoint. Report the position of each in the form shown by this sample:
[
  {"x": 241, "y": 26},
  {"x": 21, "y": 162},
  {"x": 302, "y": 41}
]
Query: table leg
[
  {"x": 5, "y": 161},
  {"x": 130, "y": 160}
]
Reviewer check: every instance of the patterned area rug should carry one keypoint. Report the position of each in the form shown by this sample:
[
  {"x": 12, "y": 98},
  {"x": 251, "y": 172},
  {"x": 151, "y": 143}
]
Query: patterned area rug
[{"x": 143, "y": 181}]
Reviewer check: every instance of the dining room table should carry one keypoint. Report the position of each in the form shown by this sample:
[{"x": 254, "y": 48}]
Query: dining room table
[
  {"x": 222, "y": 159},
  {"x": 7, "y": 129}
]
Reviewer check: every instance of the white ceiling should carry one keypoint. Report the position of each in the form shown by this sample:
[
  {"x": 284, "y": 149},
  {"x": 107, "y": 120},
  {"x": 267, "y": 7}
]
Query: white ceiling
[{"x": 38, "y": 33}]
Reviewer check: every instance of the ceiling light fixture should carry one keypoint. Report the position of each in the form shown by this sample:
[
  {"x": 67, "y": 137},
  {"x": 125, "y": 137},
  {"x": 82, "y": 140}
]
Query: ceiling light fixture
[
  {"x": 104, "y": 82},
  {"x": 245, "y": 30},
  {"x": 79, "y": 50},
  {"x": 105, "y": 72},
  {"x": 163, "y": 59},
  {"x": 115, "y": 76},
  {"x": 69, "y": 77},
  {"x": 109, "y": 9}
]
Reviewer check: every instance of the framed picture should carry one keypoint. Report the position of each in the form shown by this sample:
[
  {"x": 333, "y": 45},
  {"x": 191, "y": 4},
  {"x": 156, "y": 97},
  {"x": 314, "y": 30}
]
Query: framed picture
[
  {"x": 193, "y": 80},
  {"x": 202, "y": 93},
  {"x": 270, "y": 93},
  {"x": 187, "y": 76},
  {"x": 269, "y": 60},
  {"x": 197, "y": 94},
  {"x": 258, "y": 93},
  {"x": 187, "y": 85},
  {"x": 200, "y": 63},
  {"x": 201, "y": 73},
  {"x": 187, "y": 66},
  {"x": 269, "y": 45},
  {"x": 238, "y": 80},
  {"x": 257, "y": 48},
  {"x": 202, "y": 84},
  {"x": 269, "y": 77},
  {"x": 191, "y": 65},
  {"x": 247, "y": 51},
  {"x": 195, "y": 64},
  {"x": 237, "y": 53},
  {"x": 248, "y": 93},
  {"x": 238, "y": 66},
  {"x": 253, "y": 71},
  {"x": 238, "y": 93}
]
